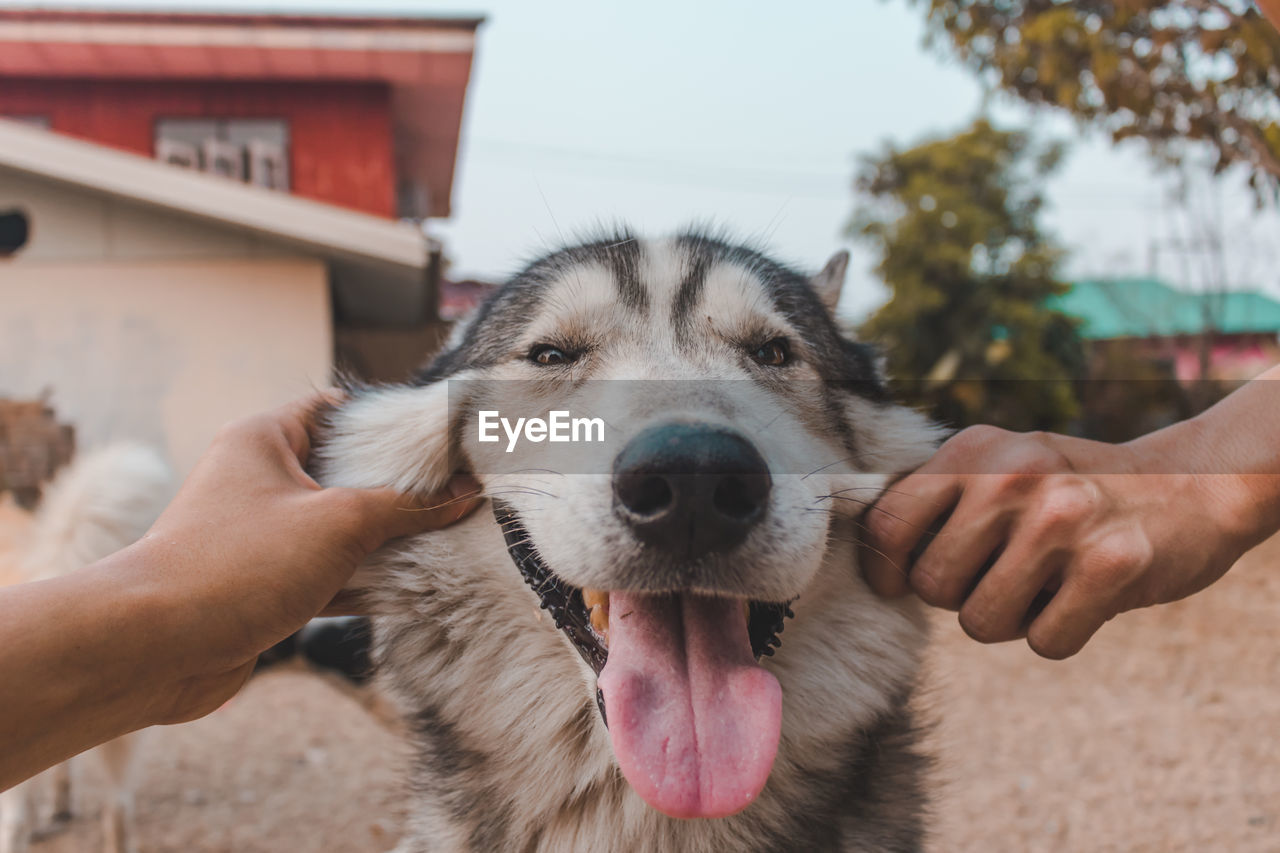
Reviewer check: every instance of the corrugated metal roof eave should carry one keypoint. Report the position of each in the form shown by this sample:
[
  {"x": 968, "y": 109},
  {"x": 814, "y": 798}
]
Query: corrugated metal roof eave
[
  {"x": 324, "y": 229},
  {"x": 1143, "y": 308}
]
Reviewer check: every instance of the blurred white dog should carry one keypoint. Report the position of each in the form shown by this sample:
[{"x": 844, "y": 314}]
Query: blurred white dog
[{"x": 103, "y": 502}]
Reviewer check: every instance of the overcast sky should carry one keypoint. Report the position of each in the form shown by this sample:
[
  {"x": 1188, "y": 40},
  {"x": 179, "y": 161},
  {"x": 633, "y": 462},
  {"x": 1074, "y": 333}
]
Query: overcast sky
[{"x": 750, "y": 115}]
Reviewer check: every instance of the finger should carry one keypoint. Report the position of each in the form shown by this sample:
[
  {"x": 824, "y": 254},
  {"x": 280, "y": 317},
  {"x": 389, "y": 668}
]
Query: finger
[
  {"x": 1068, "y": 621},
  {"x": 1002, "y": 604},
  {"x": 886, "y": 579},
  {"x": 895, "y": 524},
  {"x": 297, "y": 419},
  {"x": 395, "y": 515},
  {"x": 346, "y": 603},
  {"x": 968, "y": 542}
]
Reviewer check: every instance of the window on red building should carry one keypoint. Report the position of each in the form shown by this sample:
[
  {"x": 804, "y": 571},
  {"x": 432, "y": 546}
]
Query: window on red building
[
  {"x": 254, "y": 151},
  {"x": 15, "y": 229}
]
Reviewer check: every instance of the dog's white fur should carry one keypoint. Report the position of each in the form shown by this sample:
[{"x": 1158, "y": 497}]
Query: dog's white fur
[{"x": 102, "y": 503}]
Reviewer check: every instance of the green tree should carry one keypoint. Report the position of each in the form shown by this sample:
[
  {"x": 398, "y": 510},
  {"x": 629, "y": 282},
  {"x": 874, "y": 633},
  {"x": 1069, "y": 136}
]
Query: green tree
[
  {"x": 955, "y": 222},
  {"x": 1165, "y": 71}
]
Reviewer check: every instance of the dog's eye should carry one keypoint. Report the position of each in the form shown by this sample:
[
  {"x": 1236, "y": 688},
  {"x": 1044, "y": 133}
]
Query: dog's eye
[
  {"x": 773, "y": 354},
  {"x": 550, "y": 356}
]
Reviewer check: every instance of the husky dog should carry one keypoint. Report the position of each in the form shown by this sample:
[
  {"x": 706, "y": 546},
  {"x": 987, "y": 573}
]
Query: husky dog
[
  {"x": 654, "y": 702},
  {"x": 104, "y": 502}
]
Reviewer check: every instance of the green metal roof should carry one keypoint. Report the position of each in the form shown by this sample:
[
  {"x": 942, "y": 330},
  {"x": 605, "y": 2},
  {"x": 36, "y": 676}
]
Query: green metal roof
[{"x": 1147, "y": 308}]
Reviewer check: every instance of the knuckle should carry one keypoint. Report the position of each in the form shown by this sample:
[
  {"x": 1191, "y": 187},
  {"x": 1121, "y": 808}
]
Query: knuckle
[
  {"x": 983, "y": 624},
  {"x": 1064, "y": 506},
  {"x": 1029, "y": 457},
  {"x": 1013, "y": 482},
  {"x": 882, "y": 529},
  {"x": 982, "y": 434},
  {"x": 1118, "y": 560},
  {"x": 974, "y": 438},
  {"x": 1140, "y": 553},
  {"x": 350, "y": 506},
  {"x": 924, "y": 584},
  {"x": 1035, "y": 460},
  {"x": 934, "y": 590}
]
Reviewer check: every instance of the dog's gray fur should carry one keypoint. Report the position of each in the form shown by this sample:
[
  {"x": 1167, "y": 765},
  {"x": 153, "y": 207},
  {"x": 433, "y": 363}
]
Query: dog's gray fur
[{"x": 511, "y": 751}]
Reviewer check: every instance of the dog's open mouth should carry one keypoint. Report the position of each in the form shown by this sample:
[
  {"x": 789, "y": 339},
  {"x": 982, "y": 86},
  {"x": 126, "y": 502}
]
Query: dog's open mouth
[{"x": 693, "y": 718}]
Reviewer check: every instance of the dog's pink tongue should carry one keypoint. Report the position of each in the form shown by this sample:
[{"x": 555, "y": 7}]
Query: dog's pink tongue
[{"x": 693, "y": 718}]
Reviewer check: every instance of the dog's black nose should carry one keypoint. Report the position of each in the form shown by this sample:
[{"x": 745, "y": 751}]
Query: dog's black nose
[{"x": 690, "y": 489}]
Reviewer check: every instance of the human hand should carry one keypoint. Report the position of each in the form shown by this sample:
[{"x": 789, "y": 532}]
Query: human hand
[
  {"x": 1047, "y": 537},
  {"x": 252, "y": 547}
]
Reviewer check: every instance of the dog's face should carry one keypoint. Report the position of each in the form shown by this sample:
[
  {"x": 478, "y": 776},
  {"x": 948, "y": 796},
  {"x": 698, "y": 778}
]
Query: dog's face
[
  {"x": 708, "y": 383},
  {"x": 735, "y": 422}
]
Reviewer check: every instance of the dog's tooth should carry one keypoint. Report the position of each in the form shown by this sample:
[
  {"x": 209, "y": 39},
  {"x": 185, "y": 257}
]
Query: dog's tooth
[
  {"x": 594, "y": 598},
  {"x": 600, "y": 621}
]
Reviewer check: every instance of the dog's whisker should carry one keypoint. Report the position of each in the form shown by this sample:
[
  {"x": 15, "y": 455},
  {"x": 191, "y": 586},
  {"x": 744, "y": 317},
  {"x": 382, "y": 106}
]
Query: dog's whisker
[
  {"x": 871, "y": 507},
  {"x": 835, "y": 497},
  {"x": 852, "y": 458},
  {"x": 873, "y": 549},
  {"x": 861, "y": 456},
  {"x": 442, "y": 504},
  {"x": 532, "y": 493},
  {"x": 877, "y": 489},
  {"x": 899, "y": 519},
  {"x": 521, "y": 490}
]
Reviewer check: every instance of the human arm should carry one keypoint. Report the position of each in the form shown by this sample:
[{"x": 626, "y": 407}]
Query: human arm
[
  {"x": 168, "y": 629},
  {"x": 1048, "y": 537},
  {"x": 1271, "y": 8}
]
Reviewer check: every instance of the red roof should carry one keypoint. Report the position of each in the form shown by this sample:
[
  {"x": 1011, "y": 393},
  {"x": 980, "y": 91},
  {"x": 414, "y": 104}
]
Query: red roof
[
  {"x": 463, "y": 22},
  {"x": 426, "y": 61}
]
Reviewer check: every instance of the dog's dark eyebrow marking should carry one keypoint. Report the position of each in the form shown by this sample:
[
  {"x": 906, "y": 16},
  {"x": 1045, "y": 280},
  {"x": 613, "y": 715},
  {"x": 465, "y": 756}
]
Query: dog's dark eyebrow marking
[
  {"x": 501, "y": 318},
  {"x": 690, "y": 291},
  {"x": 623, "y": 258}
]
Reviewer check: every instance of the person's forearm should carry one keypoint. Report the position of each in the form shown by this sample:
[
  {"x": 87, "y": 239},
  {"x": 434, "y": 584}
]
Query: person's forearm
[
  {"x": 1271, "y": 8},
  {"x": 86, "y": 658},
  {"x": 168, "y": 629},
  {"x": 1234, "y": 451}
]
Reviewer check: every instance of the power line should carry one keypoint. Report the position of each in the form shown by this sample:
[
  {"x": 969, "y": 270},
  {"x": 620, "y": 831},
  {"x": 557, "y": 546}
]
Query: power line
[
  {"x": 579, "y": 154},
  {"x": 750, "y": 180}
]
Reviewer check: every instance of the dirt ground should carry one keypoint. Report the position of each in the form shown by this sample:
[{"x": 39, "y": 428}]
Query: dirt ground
[{"x": 1164, "y": 735}]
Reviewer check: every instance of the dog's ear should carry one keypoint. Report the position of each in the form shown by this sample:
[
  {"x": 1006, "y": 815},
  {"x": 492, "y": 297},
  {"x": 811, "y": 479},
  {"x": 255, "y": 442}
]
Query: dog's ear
[
  {"x": 396, "y": 436},
  {"x": 830, "y": 281}
]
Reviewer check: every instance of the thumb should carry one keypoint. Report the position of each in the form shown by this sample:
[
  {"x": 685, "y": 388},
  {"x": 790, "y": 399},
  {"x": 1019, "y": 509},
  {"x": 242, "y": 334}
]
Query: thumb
[{"x": 388, "y": 514}]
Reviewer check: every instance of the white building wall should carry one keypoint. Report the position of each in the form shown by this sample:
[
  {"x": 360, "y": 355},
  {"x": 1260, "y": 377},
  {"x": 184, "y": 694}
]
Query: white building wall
[{"x": 154, "y": 327}]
